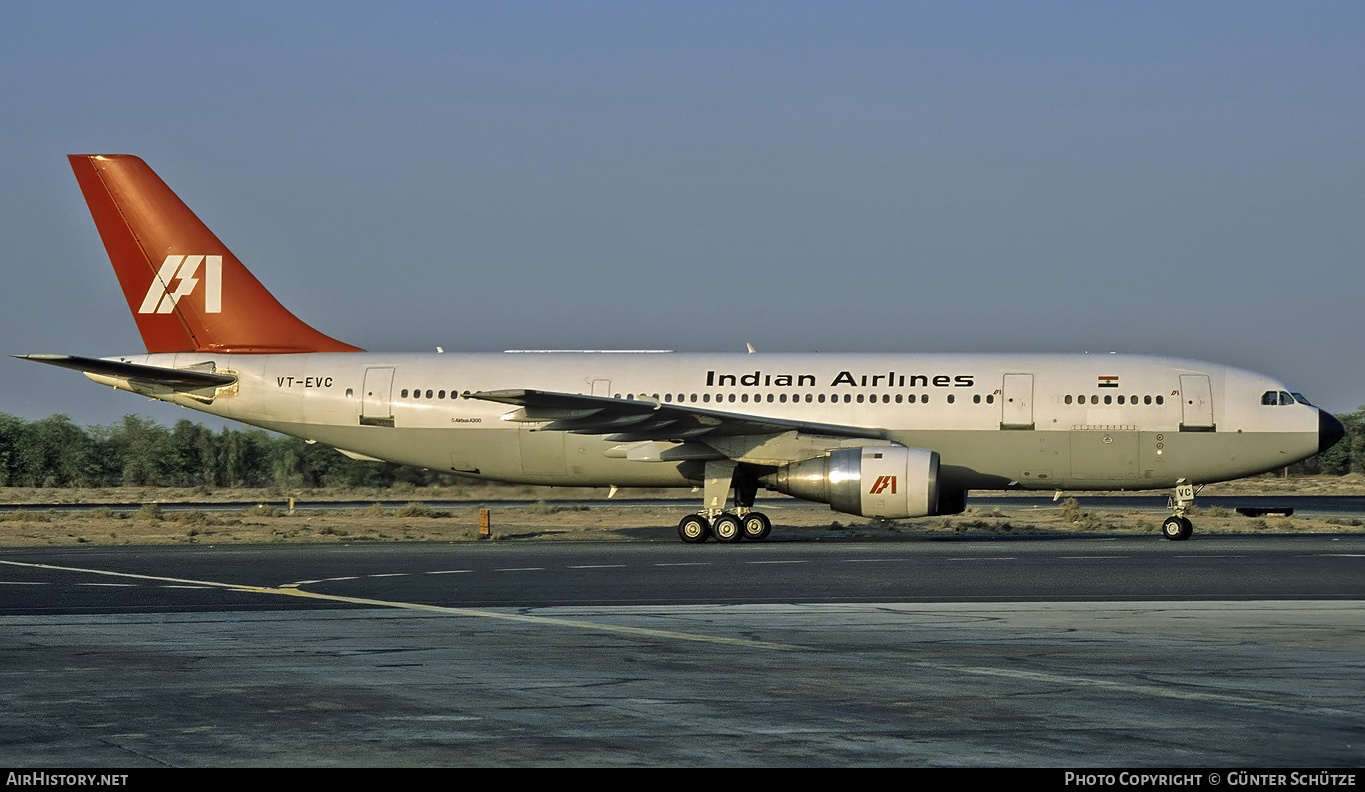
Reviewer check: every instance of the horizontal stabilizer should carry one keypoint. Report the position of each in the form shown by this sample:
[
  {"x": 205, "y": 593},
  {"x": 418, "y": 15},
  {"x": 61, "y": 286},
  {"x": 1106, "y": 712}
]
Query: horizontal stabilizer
[{"x": 176, "y": 379}]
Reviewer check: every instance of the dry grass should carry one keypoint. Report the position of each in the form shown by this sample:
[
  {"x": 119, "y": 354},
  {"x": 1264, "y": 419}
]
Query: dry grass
[
  {"x": 478, "y": 491},
  {"x": 541, "y": 519}
]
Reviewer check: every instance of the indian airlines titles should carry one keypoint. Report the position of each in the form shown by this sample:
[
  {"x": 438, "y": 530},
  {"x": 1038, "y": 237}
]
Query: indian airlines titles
[{"x": 890, "y": 379}]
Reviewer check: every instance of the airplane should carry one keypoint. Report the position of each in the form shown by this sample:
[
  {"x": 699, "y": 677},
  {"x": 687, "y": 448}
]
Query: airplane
[{"x": 876, "y": 435}]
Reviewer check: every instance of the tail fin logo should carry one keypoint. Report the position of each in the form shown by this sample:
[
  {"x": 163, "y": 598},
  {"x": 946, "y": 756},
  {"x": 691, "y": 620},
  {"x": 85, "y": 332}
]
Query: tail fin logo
[{"x": 160, "y": 299}]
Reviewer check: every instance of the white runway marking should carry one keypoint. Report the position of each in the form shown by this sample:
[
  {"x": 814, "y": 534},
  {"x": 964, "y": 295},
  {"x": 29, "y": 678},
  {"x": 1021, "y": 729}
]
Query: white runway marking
[
  {"x": 1136, "y": 688},
  {"x": 293, "y": 591}
]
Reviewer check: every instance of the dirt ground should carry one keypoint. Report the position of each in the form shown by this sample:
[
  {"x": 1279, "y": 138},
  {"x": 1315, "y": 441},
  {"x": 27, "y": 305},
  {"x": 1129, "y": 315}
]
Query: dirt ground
[{"x": 540, "y": 516}]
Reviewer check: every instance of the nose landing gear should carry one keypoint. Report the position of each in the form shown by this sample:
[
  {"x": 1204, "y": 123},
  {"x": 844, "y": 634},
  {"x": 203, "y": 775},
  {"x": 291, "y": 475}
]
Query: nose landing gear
[{"x": 1178, "y": 527}]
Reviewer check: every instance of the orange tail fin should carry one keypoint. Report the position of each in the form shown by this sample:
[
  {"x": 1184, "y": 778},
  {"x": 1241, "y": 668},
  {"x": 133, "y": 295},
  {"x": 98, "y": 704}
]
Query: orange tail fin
[{"x": 188, "y": 293}]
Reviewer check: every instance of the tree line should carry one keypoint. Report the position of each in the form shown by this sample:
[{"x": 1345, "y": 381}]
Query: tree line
[
  {"x": 1347, "y": 456},
  {"x": 55, "y": 452}
]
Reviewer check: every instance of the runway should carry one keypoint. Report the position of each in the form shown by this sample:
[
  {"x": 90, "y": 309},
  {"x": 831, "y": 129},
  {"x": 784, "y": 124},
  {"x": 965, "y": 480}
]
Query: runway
[{"x": 1218, "y": 652}]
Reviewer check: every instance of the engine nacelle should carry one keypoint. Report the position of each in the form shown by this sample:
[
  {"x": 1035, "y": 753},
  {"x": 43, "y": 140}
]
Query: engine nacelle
[{"x": 875, "y": 481}]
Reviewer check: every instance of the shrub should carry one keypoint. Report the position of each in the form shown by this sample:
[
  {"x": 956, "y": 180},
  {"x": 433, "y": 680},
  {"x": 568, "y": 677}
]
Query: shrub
[{"x": 413, "y": 510}]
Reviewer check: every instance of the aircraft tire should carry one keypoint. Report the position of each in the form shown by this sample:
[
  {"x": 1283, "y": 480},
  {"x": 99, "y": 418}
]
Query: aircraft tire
[
  {"x": 1177, "y": 528},
  {"x": 694, "y": 529},
  {"x": 726, "y": 528},
  {"x": 756, "y": 526}
]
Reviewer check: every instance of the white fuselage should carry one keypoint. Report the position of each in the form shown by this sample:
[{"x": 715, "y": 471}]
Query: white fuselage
[{"x": 996, "y": 421}]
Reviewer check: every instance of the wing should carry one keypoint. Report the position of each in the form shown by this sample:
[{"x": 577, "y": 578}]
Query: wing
[
  {"x": 175, "y": 379},
  {"x": 639, "y": 421}
]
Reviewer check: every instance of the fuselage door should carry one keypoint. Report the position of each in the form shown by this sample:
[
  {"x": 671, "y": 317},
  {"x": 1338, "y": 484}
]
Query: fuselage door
[
  {"x": 1016, "y": 402},
  {"x": 376, "y": 408},
  {"x": 601, "y": 387},
  {"x": 1196, "y": 403}
]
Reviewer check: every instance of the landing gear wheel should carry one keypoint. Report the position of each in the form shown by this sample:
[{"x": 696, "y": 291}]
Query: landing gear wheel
[
  {"x": 756, "y": 526},
  {"x": 1177, "y": 528},
  {"x": 694, "y": 529},
  {"x": 726, "y": 528}
]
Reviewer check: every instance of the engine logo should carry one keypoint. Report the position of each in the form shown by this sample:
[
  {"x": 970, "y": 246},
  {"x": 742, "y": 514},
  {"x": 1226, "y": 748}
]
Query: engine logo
[{"x": 882, "y": 484}]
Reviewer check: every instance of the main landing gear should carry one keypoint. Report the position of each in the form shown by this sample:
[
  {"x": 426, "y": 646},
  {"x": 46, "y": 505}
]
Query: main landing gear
[
  {"x": 1178, "y": 527},
  {"x": 713, "y": 520}
]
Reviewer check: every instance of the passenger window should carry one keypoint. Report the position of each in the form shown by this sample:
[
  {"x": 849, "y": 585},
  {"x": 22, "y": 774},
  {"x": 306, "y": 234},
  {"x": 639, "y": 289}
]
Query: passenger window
[
  {"x": 403, "y": 393},
  {"x": 951, "y": 398}
]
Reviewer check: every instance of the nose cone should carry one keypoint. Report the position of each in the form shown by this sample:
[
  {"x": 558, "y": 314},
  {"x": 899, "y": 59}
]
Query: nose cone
[{"x": 1330, "y": 430}]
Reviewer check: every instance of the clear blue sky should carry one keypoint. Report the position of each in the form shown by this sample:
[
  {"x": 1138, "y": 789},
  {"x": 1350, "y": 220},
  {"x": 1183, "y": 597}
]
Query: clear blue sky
[{"x": 1172, "y": 178}]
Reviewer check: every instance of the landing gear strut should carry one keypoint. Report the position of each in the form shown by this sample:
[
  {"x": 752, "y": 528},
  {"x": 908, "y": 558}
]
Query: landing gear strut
[
  {"x": 1178, "y": 527},
  {"x": 714, "y": 520}
]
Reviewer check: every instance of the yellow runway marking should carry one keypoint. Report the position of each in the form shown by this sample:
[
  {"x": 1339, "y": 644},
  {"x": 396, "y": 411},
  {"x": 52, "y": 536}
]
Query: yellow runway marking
[{"x": 481, "y": 614}]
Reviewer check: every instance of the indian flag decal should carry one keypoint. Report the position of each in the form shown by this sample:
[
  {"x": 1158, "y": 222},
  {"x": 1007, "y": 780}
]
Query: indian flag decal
[{"x": 1109, "y": 382}]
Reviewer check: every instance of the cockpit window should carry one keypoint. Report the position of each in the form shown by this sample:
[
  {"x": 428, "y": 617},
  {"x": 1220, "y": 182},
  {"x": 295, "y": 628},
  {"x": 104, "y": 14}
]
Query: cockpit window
[{"x": 1280, "y": 398}]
